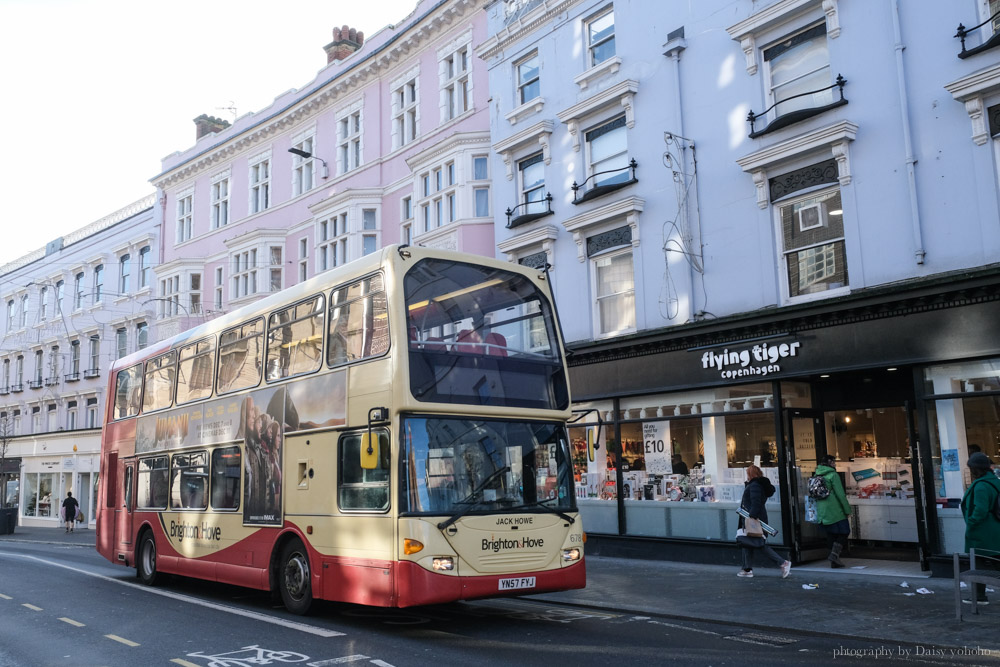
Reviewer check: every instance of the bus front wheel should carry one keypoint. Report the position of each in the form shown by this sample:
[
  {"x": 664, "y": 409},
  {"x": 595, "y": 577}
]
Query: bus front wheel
[
  {"x": 294, "y": 578},
  {"x": 145, "y": 564}
]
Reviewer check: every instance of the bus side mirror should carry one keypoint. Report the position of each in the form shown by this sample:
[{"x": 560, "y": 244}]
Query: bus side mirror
[{"x": 369, "y": 450}]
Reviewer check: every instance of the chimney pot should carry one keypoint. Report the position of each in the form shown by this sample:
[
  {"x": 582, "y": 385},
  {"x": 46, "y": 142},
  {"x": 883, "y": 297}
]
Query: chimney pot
[
  {"x": 346, "y": 40},
  {"x": 205, "y": 124}
]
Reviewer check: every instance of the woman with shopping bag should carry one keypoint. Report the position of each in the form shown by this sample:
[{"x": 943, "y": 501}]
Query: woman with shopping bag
[{"x": 750, "y": 535}]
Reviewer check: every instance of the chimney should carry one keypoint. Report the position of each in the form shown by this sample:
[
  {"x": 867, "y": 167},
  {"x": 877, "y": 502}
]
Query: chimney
[
  {"x": 205, "y": 124},
  {"x": 345, "y": 42}
]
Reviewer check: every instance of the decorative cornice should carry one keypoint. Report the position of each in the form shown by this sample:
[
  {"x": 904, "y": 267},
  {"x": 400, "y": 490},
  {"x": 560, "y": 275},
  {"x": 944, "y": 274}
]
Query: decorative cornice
[
  {"x": 528, "y": 239},
  {"x": 620, "y": 93},
  {"x": 446, "y": 145},
  {"x": 539, "y": 134},
  {"x": 338, "y": 199},
  {"x": 629, "y": 207},
  {"x": 745, "y": 32},
  {"x": 986, "y": 80},
  {"x": 361, "y": 70},
  {"x": 520, "y": 28}
]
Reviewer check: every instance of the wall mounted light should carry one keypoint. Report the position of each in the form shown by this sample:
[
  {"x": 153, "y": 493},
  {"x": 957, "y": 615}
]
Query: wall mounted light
[{"x": 306, "y": 155}]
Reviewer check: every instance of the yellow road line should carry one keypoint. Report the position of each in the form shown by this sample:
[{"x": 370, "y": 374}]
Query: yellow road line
[
  {"x": 31, "y": 606},
  {"x": 6, "y": 597},
  {"x": 71, "y": 622},
  {"x": 122, "y": 640},
  {"x": 184, "y": 663}
]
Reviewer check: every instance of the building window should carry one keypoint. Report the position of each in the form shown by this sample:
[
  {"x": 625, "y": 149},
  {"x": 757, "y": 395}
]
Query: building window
[
  {"x": 219, "y": 282},
  {"x": 404, "y": 113},
  {"x": 303, "y": 259},
  {"x": 98, "y": 282},
  {"x": 170, "y": 296},
  {"x": 528, "y": 85},
  {"x": 369, "y": 244},
  {"x": 455, "y": 86},
  {"x": 95, "y": 354},
  {"x": 6, "y": 375},
  {"x": 24, "y": 311},
  {"x": 53, "y": 376},
  {"x": 185, "y": 204},
  {"x": 333, "y": 241},
  {"x": 43, "y": 304},
  {"x": 71, "y": 415},
  {"x": 78, "y": 291},
  {"x": 601, "y": 37},
  {"x": 260, "y": 186},
  {"x": 615, "y": 293},
  {"x": 74, "y": 359},
  {"x": 349, "y": 142},
  {"x": 58, "y": 304},
  {"x": 10, "y": 315},
  {"x": 220, "y": 201},
  {"x": 244, "y": 273},
  {"x": 141, "y": 336},
  {"x": 797, "y": 65},
  {"x": 92, "y": 413},
  {"x": 532, "y": 176},
  {"x": 36, "y": 419},
  {"x": 407, "y": 208},
  {"x": 51, "y": 414},
  {"x": 274, "y": 273},
  {"x": 38, "y": 367},
  {"x": 812, "y": 235},
  {"x": 124, "y": 266},
  {"x": 368, "y": 222},
  {"x": 194, "y": 293},
  {"x": 607, "y": 153},
  {"x": 19, "y": 371},
  {"x": 303, "y": 175},
  {"x": 144, "y": 267}
]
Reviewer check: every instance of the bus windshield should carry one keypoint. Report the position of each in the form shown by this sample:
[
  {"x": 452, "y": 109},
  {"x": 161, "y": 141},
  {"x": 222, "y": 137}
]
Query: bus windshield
[
  {"x": 454, "y": 465},
  {"x": 481, "y": 336}
]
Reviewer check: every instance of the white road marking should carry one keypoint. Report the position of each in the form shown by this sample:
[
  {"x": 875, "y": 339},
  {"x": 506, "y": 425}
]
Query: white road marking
[
  {"x": 337, "y": 661},
  {"x": 684, "y": 627},
  {"x": 31, "y": 606},
  {"x": 6, "y": 597},
  {"x": 184, "y": 663},
  {"x": 122, "y": 640},
  {"x": 292, "y": 625},
  {"x": 72, "y": 622},
  {"x": 380, "y": 663}
]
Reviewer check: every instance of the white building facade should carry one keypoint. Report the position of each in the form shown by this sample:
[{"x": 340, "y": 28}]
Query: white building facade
[
  {"x": 773, "y": 232},
  {"x": 70, "y": 310}
]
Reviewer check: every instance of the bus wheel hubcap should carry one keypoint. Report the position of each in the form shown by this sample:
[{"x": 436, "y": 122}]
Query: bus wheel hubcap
[{"x": 296, "y": 575}]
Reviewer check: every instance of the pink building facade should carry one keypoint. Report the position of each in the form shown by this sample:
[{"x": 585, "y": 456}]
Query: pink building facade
[{"x": 388, "y": 144}]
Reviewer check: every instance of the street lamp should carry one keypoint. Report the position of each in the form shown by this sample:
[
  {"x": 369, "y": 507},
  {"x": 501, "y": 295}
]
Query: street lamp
[{"x": 306, "y": 155}]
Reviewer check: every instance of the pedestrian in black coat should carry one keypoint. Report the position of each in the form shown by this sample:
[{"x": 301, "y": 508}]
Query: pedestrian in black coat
[{"x": 758, "y": 489}]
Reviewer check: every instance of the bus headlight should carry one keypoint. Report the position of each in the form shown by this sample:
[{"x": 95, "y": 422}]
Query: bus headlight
[
  {"x": 570, "y": 554},
  {"x": 444, "y": 563},
  {"x": 412, "y": 546}
]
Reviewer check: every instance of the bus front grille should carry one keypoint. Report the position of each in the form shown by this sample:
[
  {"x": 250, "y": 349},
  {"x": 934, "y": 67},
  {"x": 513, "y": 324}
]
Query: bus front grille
[{"x": 505, "y": 562}]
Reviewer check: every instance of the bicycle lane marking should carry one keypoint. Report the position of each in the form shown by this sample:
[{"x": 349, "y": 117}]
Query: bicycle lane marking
[{"x": 291, "y": 625}]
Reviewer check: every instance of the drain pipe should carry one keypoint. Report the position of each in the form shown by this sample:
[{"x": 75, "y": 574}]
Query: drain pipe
[{"x": 918, "y": 243}]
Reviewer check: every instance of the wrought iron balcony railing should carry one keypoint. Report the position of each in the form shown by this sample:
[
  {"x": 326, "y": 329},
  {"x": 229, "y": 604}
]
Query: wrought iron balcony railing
[
  {"x": 530, "y": 212},
  {"x": 609, "y": 185},
  {"x": 92, "y": 373},
  {"x": 52, "y": 380},
  {"x": 4, "y": 390},
  {"x": 16, "y": 388},
  {"x": 35, "y": 384},
  {"x": 791, "y": 117},
  {"x": 963, "y": 32},
  {"x": 72, "y": 377}
]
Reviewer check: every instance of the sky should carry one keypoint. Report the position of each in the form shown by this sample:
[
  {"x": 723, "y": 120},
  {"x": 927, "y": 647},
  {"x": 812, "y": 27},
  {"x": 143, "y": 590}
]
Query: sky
[{"x": 94, "y": 93}]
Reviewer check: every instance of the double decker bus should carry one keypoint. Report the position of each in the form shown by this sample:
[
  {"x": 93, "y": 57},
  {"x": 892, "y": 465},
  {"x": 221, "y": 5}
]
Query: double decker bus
[{"x": 391, "y": 432}]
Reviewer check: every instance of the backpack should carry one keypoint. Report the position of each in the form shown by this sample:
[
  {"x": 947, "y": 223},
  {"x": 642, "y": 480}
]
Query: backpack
[{"x": 818, "y": 490}]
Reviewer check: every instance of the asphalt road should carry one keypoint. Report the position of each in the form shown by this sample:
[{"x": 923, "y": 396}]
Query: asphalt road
[{"x": 65, "y": 605}]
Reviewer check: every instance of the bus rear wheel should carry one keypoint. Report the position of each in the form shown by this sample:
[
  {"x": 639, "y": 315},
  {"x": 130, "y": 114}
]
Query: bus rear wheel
[
  {"x": 145, "y": 564},
  {"x": 294, "y": 578}
]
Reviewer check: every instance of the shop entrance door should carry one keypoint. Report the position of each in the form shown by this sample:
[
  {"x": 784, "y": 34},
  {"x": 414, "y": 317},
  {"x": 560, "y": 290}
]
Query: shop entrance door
[{"x": 805, "y": 437}]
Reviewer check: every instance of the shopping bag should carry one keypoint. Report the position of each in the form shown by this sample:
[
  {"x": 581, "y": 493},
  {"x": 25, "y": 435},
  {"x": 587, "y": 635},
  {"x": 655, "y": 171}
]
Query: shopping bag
[
  {"x": 79, "y": 515},
  {"x": 753, "y": 527}
]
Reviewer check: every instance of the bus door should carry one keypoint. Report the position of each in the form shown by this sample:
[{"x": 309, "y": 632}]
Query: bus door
[{"x": 123, "y": 510}]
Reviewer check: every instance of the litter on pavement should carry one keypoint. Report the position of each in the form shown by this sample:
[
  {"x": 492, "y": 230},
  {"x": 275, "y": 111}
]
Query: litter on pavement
[
  {"x": 925, "y": 591},
  {"x": 810, "y": 587}
]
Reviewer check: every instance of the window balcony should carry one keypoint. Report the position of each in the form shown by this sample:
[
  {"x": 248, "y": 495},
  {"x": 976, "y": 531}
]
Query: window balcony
[
  {"x": 35, "y": 384},
  {"x": 72, "y": 377},
  {"x": 17, "y": 388},
  {"x": 532, "y": 211},
  {"x": 92, "y": 373},
  {"x": 988, "y": 44},
  {"x": 625, "y": 177},
  {"x": 52, "y": 381},
  {"x": 798, "y": 115},
  {"x": 4, "y": 391}
]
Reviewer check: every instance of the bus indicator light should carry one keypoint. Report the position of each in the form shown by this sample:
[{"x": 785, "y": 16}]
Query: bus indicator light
[{"x": 412, "y": 546}]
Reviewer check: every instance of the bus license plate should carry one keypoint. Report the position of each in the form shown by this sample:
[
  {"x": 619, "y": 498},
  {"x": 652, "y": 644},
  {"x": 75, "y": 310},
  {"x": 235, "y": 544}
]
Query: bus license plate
[{"x": 516, "y": 583}]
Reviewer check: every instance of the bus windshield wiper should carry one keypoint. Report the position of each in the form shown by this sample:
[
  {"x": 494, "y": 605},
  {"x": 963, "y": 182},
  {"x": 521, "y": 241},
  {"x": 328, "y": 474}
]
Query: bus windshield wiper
[
  {"x": 470, "y": 500},
  {"x": 541, "y": 503}
]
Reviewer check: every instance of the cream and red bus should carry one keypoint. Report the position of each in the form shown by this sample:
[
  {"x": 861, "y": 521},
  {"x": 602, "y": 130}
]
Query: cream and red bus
[{"x": 391, "y": 432}]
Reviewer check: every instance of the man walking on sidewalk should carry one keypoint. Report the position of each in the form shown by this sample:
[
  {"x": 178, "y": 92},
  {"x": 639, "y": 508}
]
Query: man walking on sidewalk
[
  {"x": 833, "y": 510},
  {"x": 69, "y": 511},
  {"x": 980, "y": 507}
]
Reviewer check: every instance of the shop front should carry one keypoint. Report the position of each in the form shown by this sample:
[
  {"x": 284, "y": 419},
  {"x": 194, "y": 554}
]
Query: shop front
[
  {"x": 678, "y": 415},
  {"x": 65, "y": 462}
]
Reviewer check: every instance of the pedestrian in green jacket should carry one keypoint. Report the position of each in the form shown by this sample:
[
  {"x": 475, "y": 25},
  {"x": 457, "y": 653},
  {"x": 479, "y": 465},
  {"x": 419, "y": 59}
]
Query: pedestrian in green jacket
[
  {"x": 834, "y": 510},
  {"x": 982, "y": 526}
]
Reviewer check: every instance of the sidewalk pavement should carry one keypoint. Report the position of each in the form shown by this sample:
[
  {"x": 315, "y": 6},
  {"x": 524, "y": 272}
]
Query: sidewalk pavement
[{"x": 868, "y": 603}]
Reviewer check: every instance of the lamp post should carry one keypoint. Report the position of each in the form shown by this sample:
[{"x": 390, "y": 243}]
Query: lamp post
[{"x": 306, "y": 155}]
